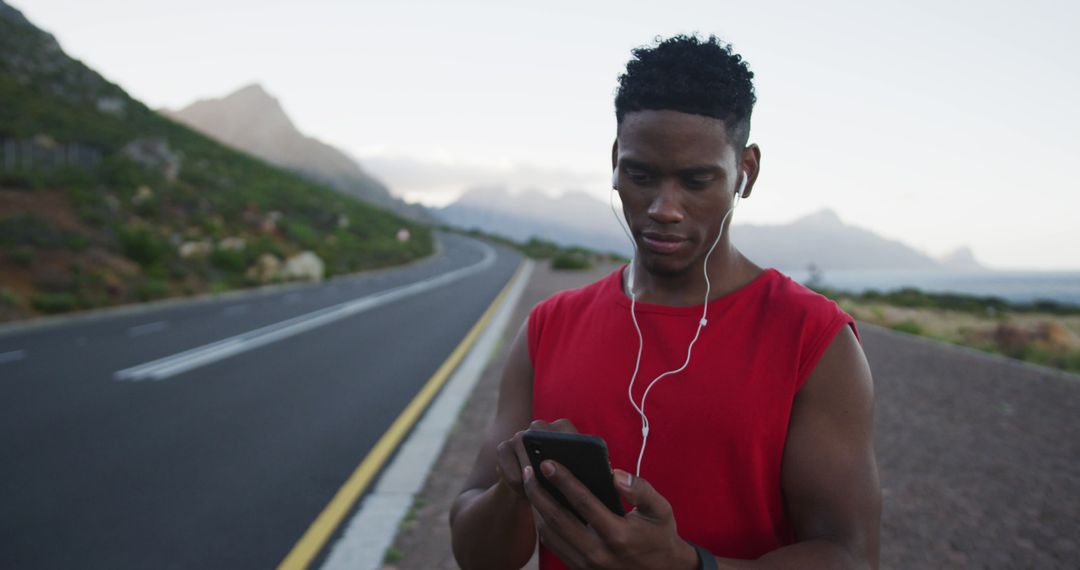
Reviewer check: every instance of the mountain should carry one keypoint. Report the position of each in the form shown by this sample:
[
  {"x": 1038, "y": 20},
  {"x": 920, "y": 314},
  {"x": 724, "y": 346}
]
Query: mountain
[
  {"x": 104, "y": 202},
  {"x": 820, "y": 239},
  {"x": 823, "y": 240},
  {"x": 962, "y": 259},
  {"x": 573, "y": 218},
  {"x": 252, "y": 120}
]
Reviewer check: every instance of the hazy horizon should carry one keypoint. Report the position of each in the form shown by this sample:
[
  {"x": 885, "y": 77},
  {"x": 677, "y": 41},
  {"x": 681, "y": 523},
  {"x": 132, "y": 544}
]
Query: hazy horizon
[{"x": 940, "y": 126}]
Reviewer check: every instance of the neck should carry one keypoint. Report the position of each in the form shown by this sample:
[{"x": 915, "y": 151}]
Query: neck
[{"x": 729, "y": 270}]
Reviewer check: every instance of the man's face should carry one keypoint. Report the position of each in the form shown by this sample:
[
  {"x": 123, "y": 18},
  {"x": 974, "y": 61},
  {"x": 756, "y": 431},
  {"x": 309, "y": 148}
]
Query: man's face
[{"x": 676, "y": 175}]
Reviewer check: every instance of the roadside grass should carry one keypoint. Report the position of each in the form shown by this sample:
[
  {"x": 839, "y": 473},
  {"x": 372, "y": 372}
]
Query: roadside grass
[{"x": 1047, "y": 338}]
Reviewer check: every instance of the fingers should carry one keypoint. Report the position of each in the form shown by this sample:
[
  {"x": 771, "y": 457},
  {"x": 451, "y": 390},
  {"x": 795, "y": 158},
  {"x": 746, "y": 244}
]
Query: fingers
[
  {"x": 596, "y": 514},
  {"x": 554, "y": 518},
  {"x": 511, "y": 458},
  {"x": 563, "y": 425},
  {"x": 640, "y": 493},
  {"x": 508, "y": 467}
]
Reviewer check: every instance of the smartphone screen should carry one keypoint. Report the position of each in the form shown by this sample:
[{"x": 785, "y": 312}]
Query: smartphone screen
[{"x": 586, "y": 456}]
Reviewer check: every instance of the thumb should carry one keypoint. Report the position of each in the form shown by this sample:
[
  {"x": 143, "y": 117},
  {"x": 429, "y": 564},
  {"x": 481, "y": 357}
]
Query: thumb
[{"x": 640, "y": 493}]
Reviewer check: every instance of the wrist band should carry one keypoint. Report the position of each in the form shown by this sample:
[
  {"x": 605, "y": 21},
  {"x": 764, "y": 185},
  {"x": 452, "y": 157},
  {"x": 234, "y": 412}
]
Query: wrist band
[{"x": 705, "y": 559}]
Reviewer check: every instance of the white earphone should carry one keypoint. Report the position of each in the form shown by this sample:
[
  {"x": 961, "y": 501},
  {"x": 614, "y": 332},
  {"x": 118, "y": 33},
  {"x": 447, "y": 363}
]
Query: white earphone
[{"x": 640, "y": 409}]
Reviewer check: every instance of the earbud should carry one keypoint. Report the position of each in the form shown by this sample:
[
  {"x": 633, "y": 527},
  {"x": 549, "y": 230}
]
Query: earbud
[
  {"x": 741, "y": 192},
  {"x": 615, "y": 179}
]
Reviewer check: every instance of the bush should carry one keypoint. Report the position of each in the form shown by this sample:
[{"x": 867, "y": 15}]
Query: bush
[
  {"x": 28, "y": 229},
  {"x": 54, "y": 302},
  {"x": 23, "y": 256},
  {"x": 229, "y": 260},
  {"x": 8, "y": 298},
  {"x": 77, "y": 242},
  {"x": 570, "y": 260},
  {"x": 908, "y": 326},
  {"x": 153, "y": 289},
  {"x": 142, "y": 246}
]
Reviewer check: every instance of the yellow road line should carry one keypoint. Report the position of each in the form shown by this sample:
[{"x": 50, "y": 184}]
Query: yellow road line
[{"x": 309, "y": 545}]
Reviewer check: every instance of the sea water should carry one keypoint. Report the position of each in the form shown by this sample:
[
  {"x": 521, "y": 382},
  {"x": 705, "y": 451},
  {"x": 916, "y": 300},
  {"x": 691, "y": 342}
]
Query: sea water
[{"x": 1015, "y": 286}]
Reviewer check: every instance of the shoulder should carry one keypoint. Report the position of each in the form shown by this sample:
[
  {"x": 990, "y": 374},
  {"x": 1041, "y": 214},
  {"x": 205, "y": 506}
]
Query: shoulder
[
  {"x": 810, "y": 319},
  {"x": 794, "y": 302},
  {"x": 557, "y": 311}
]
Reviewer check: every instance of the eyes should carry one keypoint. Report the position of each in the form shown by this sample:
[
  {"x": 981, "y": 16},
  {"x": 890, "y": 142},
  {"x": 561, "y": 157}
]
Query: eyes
[{"x": 690, "y": 180}]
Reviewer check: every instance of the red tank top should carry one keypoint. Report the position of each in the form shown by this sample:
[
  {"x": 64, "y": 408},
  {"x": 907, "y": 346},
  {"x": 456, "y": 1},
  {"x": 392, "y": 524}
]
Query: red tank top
[{"x": 717, "y": 429}]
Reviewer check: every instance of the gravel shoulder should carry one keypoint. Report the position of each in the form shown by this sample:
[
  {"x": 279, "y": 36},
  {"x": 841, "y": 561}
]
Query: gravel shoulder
[{"x": 978, "y": 455}]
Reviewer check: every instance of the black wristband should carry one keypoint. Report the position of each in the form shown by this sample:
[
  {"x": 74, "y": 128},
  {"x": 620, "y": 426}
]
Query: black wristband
[{"x": 705, "y": 559}]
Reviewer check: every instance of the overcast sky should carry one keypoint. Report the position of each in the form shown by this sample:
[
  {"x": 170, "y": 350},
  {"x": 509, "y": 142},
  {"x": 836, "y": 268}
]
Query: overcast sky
[{"x": 940, "y": 124}]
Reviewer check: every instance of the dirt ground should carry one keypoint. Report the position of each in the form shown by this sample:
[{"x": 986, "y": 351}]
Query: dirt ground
[{"x": 979, "y": 456}]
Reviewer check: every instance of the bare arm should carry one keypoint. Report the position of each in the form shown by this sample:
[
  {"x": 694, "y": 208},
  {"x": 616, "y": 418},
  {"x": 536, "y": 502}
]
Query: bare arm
[
  {"x": 491, "y": 521},
  {"x": 830, "y": 478}
]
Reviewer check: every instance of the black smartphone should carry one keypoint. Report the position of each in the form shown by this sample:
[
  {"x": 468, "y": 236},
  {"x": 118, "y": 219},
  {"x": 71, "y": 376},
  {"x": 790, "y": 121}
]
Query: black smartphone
[{"x": 586, "y": 456}]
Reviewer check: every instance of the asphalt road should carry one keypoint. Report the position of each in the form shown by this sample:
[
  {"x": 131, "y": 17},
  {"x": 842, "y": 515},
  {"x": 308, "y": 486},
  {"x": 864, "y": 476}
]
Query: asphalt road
[{"x": 225, "y": 463}]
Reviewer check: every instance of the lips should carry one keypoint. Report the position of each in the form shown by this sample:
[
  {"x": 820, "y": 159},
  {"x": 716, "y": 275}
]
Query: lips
[{"x": 663, "y": 243}]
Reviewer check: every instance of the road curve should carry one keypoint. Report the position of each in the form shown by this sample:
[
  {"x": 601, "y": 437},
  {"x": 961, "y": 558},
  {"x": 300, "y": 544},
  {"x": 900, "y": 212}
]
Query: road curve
[{"x": 224, "y": 463}]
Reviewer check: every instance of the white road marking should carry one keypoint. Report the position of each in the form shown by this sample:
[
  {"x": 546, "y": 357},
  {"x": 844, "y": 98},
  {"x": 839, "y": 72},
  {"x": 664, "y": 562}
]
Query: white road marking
[
  {"x": 148, "y": 328},
  {"x": 234, "y": 310},
  {"x": 169, "y": 366},
  {"x": 12, "y": 356}
]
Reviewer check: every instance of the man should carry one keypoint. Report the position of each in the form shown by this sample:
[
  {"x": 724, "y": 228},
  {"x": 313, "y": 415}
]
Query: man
[{"x": 737, "y": 405}]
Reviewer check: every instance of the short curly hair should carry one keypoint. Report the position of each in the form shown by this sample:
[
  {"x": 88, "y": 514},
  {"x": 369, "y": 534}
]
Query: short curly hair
[{"x": 684, "y": 73}]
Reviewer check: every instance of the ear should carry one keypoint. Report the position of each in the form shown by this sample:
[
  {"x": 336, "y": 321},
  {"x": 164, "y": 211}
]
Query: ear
[
  {"x": 750, "y": 163},
  {"x": 614, "y": 161}
]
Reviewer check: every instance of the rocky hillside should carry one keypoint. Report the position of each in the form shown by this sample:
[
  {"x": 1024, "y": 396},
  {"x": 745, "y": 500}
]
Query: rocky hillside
[
  {"x": 252, "y": 120},
  {"x": 104, "y": 202}
]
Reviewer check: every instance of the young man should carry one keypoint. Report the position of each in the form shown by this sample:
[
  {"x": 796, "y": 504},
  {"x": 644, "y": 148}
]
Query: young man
[{"x": 736, "y": 404}]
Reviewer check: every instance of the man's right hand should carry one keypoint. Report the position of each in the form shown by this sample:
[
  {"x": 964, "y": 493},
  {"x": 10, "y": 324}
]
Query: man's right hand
[{"x": 511, "y": 457}]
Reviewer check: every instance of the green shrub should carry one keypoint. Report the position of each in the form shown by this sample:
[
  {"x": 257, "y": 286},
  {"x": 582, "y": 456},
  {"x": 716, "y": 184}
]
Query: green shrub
[
  {"x": 302, "y": 234},
  {"x": 8, "y": 298},
  {"x": 54, "y": 302},
  {"x": 142, "y": 246},
  {"x": 23, "y": 256},
  {"x": 76, "y": 242},
  {"x": 152, "y": 289},
  {"x": 28, "y": 229},
  {"x": 229, "y": 260},
  {"x": 909, "y": 326},
  {"x": 570, "y": 260}
]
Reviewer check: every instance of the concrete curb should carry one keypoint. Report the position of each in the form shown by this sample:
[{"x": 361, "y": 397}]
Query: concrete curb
[{"x": 373, "y": 527}]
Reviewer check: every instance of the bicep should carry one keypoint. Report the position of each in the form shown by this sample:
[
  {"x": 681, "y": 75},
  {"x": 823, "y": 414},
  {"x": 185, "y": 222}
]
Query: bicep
[
  {"x": 829, "y": 477},
  {"x": 512, "y": 413}
]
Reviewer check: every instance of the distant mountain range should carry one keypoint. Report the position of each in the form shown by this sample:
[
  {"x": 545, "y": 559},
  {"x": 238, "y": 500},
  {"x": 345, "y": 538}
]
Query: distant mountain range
[
  {"x": 252, "y": 120},
  {"x": 819, "y": 239}
]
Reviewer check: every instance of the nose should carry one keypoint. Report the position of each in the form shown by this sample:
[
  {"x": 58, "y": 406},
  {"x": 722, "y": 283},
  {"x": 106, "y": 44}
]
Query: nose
[{"x": 665, "y": 207}]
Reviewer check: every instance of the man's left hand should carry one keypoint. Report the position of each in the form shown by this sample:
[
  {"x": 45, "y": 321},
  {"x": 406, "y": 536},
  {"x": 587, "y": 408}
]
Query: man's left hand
[{"x": 645, "y": 538}]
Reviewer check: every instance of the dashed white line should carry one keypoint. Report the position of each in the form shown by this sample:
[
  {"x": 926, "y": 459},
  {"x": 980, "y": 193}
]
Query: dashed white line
[
  {"x": 148, "y": 328},
  {"x": 169, "y": 366},
  {"x": 12, "y": 356}
]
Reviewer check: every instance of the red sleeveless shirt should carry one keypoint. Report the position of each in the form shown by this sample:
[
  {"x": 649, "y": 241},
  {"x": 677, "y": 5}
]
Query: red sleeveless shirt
[{"x": 717, "y": 429}]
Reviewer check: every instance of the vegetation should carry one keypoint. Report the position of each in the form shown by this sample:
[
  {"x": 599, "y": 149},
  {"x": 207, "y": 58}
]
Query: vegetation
[
  {"x": 116, "y": 190},
  {"x": 561, "y": 257},
  {"x": 1043, "y": 332}
]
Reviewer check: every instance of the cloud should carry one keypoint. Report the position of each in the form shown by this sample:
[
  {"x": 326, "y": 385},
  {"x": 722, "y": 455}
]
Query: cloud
[{"x": 439, "y": 180}]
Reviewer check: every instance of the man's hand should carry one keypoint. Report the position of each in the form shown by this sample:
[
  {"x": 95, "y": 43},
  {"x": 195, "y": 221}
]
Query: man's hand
[
  {"x": 511, "y": 457},
  {"x": 645, "y": 538}
]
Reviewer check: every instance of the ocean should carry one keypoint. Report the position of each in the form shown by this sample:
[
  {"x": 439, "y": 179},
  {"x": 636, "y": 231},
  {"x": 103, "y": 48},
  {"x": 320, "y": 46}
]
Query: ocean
[{"x": 1015, "y": 286}]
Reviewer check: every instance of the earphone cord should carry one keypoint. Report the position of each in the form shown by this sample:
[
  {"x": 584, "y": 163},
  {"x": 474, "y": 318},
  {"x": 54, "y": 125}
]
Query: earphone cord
[{"x": 641, "y": 340}]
